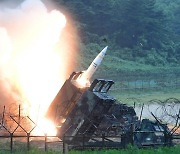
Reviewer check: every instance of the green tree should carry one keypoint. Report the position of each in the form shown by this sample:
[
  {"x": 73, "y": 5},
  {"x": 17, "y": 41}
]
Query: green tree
[{"x": 141, "y": 24}]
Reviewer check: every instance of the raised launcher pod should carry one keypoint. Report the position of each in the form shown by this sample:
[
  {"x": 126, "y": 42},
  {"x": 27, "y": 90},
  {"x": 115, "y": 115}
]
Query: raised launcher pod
[
  {"x": 65, "y": 100},
  {"x": 88, "y": 112}
]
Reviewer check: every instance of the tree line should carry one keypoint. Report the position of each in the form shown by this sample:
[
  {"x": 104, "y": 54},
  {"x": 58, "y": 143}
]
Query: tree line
[{"x": 147, "y": 31}]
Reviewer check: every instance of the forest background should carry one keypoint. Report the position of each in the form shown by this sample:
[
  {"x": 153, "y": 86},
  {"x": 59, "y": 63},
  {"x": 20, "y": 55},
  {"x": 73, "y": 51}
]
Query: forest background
[
  {"x": 142, "y": 35},
  {"x": 144, "y": 44}
]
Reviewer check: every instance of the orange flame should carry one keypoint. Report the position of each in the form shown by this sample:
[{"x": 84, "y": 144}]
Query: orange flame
[
  {"x": 31, "y": 60},
  {"x": 82, "y": 82}
]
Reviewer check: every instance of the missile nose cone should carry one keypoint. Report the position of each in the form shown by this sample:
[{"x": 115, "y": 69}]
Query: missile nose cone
[
  {"x": 103, "y": 52},
  {"x": 106, "y": 47},
  {"x": 93, "y": 66}
]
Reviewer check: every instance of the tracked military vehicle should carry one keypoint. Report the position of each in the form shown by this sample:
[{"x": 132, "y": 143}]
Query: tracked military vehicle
[{"x": 89, "y": 110}]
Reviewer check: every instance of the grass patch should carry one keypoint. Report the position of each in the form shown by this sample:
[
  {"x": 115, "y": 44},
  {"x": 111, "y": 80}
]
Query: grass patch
[
  {"x": 144, "y": 96},
  {"x": 32, "y": 151},
  {"x": 133, "y": 150},
  {"x": 113, "y": 66},
  {"x": 129, "y": 150}
]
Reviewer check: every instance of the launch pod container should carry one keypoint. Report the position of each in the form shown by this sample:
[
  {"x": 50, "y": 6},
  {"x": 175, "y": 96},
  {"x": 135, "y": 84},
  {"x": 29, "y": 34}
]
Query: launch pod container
[{"x": 77, "y": 111}]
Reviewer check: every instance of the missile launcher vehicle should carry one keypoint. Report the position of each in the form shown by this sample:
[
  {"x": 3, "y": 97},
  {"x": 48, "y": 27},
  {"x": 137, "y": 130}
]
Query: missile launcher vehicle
[
  {"x": 84, "y": 109},
  {"x": 89, "y": 111}
]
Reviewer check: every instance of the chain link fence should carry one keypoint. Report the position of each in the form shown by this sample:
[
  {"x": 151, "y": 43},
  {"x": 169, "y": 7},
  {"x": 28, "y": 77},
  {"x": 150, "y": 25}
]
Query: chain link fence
[{"x": 147, "y": 82}]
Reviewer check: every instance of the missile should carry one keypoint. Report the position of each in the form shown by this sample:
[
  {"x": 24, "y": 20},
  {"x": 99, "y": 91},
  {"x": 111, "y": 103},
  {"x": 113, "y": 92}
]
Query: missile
[{"x": 87, "y": 74}]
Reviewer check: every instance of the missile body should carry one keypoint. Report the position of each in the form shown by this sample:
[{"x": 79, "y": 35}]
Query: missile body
[{"x": 86, "y": 76}]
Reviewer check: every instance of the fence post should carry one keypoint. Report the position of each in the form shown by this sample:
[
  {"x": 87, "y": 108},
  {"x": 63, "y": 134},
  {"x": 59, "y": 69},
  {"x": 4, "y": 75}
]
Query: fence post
[
  {"x": 103, "y": 137},
  {"x": 134, "y": 105},
  {"x": 11, "y": 144},
  {"x": 132, "y": 134},
  {"x": 123, "y": 140},
  {"x": 83, "y": 141},
  {"x": 45, "y": 142},
  {"x": 65, "y": 146},
  {"x": 28, "y": 134},
  {"x": 165, "y": 138}
]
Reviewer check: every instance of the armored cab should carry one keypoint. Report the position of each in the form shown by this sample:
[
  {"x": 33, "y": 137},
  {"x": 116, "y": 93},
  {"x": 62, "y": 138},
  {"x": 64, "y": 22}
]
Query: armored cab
[{"x": 152, "y": 134}]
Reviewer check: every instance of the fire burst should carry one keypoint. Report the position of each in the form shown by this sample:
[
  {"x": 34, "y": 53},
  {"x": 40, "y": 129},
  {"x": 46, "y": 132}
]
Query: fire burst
[{"x": 32, "y": 65}]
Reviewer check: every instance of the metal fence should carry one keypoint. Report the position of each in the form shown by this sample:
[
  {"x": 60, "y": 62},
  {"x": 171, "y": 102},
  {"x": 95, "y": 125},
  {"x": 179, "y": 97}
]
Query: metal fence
[
  {"x": 147, "y": 82},
  {"x": 117, "y": 142},
  {"x": 96, "y": 142},
  {"x": 16, "y": 133},
  {"x": 14, "y": 142}
]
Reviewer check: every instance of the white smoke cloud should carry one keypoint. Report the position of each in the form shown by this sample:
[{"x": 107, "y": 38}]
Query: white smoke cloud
[
  {"x": 37, "y": 49},
  {"x": 21, "y": 28},
  {"x": 5, "y": 46}
]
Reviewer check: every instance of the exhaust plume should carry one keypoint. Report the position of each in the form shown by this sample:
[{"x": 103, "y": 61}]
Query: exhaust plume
[{"x": 36, "y": 51}]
